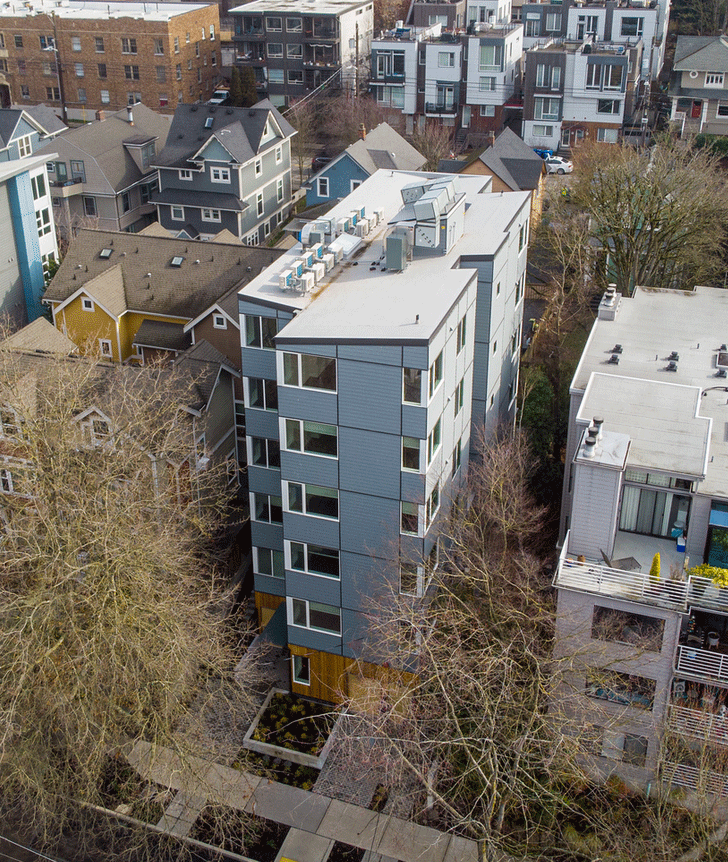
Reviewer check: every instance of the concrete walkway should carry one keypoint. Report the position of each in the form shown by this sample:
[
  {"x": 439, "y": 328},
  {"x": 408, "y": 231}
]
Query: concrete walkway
[{"x": 316, "y": 821}]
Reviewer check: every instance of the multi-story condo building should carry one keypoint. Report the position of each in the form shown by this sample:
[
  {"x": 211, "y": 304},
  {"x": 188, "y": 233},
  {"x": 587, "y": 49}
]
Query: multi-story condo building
[
  {"x": 623, "y": 23},
  {"x": 647, "y": 679},
  {"x": 225, "y": 168},
  {"x": 699, "y": 84},
  {"x": 578, "y": 90},
  {"x": 464, "y": 80},
  {"x": 370, "y": 354},
  {"x": 86, "y": 55},
  {"x": 458, "y": 14},
  {"x": 294, "y": 49}
]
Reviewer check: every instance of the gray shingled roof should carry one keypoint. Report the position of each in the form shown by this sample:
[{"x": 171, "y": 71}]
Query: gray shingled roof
[
  {"x": 162, "y": 335},
  {"x": 45, "y": 116},
  {"x": 202, "y": 363},
  {"x": 701, "y": 54},
  {"x": 100, "y": 145},
  {"x": 150, "y": 282},
  {"x": 41, "y": 336},
  {"x": 9, "y": 120},
  {"x": 239, "y": 130}
]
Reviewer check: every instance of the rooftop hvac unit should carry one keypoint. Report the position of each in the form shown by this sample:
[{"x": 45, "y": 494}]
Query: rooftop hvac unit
[
  {"x": 316, "y": 237},
  {"x": 354, "y": 217},
  {"x": 337, "y": 253},
  {"x": 362, "y": 229},
  {"x": 342, "y": 225},
  {"x": 319, "y": 271},
  {"x": 285, "y": 280},
  {"x": 362, "y": 212},
  {"x": 306, "y": 282},
  {"x": 380, "y": 215},
  {"x": 297, "y": 268},
  {"x": 397, "y": 248},
  {"x": 308, "y": 258},
  {"x": 317, "y": 250},
  {"x": 328, "y": 261}
]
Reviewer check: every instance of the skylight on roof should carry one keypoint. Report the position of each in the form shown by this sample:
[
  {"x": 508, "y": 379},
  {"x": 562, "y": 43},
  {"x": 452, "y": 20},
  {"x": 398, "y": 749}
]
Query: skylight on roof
[
  {"x": 176, "y": 260},
  {"x": 208, "y": 122},
  {"x": 105, "y": 253}
]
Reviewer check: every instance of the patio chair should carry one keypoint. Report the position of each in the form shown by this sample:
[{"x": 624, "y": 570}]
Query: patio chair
[{"x": 627, "y": 564}]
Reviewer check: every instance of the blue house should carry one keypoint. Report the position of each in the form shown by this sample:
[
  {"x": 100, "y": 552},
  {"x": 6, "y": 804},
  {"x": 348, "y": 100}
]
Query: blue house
[
  {"x": 20, "y": 134},
  {"x": 382, "y": 148}
]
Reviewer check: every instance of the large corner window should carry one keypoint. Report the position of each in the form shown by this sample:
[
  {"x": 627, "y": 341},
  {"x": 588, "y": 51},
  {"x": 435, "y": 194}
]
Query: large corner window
[
  {"x": 260, "y": 332},
  {"x": 655, "y": 506},
  {"x": 309, "y": 372},
  {"x": 313, "y": 500},
  {"x": 313, "y": 559},
  {"x": 315, "y": 615},
  {"x": 314, "y": 438}
]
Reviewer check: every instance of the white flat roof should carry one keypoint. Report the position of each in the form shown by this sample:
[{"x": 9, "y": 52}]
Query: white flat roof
[
  {"x": 360, "y": 302},
  {"x": 95, "y": 10},
  {"x": 667, "y": 413},
  {"x": 302, "y": 7}
]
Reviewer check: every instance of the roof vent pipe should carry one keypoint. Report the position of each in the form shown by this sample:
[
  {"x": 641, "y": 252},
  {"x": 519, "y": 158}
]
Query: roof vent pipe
[
  {"x": 597, "y": 423},
  {"x": 130, "y": 115},
  {"x": 590, "y": 445}
]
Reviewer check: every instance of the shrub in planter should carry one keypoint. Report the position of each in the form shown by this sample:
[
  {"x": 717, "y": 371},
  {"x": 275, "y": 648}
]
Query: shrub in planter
[{"x": 717, "y": 575}]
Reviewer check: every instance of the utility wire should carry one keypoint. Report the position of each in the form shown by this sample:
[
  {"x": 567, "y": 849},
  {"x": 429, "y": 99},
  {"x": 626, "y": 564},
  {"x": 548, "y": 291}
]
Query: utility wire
[{"x": 29, "y": 849}]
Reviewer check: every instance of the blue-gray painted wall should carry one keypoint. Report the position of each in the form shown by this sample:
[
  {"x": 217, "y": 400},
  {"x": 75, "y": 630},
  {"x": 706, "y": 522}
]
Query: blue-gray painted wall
[{"x": 340, "y": 175}]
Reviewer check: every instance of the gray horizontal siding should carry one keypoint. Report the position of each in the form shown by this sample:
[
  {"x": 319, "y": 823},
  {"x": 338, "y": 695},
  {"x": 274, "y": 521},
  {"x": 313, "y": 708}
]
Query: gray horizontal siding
[
  {"x": 383, "y": 354},
  {"x": 258, "y": 363},
  {"x": 274, "y": 586},
  {"x": 310, "y": 468},
  {"x": 414, "y": 421},
  {"x": 412, "y": 487},
  {"x": 245, "y": 306},
  {"x": 369, "y": 462},
  {"x": 414, "y": 357},
  {"x": 307, "y": 404},
  {"x": 369, "y": 524},
  {"x": 370, "y": 396},
  {"x": 362, "y": 576},
  {"x": 264, "y": 535},
  {"x": 354, "y": 628},
  {"x": 314, "y": 640},
  {"x": 303, "y": 586},
  {"x": 261, "y": 423},
  {"x": 320, "y": 531},
  {"x": 264, "y": 480}
]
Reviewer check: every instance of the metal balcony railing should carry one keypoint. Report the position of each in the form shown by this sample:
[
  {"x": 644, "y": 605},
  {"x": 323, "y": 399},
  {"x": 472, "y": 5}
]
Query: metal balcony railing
[
  {"x": 440, "y": 108},
  {"x": 701, "y": 724},
  {"x": 681, "y": 775}
]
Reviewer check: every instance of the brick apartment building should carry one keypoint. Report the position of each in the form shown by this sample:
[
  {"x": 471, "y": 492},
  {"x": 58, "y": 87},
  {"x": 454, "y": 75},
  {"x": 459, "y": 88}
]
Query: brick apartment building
[{"x": 87, "y": 56}]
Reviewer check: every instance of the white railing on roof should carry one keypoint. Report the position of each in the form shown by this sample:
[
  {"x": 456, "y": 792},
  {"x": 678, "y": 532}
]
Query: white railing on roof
[
  {"x": 681, "y": 775},
  {"x": 702, "y": 662},
  {"x": 701, "y": 724}
]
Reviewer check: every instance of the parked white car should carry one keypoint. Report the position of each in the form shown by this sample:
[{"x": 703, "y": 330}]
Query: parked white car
[{"x": 557, "y": 165}]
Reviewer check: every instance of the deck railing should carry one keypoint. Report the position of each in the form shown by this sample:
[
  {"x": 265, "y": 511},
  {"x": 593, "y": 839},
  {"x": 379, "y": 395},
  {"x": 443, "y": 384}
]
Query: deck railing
[
  {"x": 698, "y": 723},
  {"x": 702, "y": 662},
  {"x": 681, "y": 775}
]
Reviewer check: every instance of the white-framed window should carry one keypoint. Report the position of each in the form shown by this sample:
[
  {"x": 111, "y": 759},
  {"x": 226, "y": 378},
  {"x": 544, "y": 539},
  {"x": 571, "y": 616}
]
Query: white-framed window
[
  {"x": 487, "y": 110},
  {"x": 105, "y": 97},
  {"x": 323, "y": 187},
  {"x": 279, "y": 190},
  {"x": 260, "y": 332},
  {"x": 158, "y": 47},
  {"x": 276, "y": 76},
  {"x": 434, "y": 441},
  {"x": 315, "y": 500},
  {"x": 89, "y": 206},
  {"x": 295, "y": 76},
  {"x": 267, "y": 561},
  {"x": 78, "y": 68},
  {"x": 714, "y": 79},
  {"x": 219, "y": 175},
  {"x": 212, "y": 32},
  {"x": 459, "y": 396},
  {"x": 722, "y": 110},
  {"x": 210, "y": 214},
  {"x": 263, "y": 452},
  {"x": 435, "y": 375},
  {"x": 314, "y": 615},
  {"x": 608, "y": 136},
  {"x": 185, "y": 175},
  {"x": 177, "y": 213},
  {"x": 411, "y": 454},
  {"x": 43, "y": 221},
  {"x": 105, "y": 348},
  {"x": 279, "y": 155},
  {"x": 266, "y": 229},
  {"x": 301, "y": 670},
  {"x": 128, "y": 46},
  {"x": 274, "y": 24},
  {"x": 487, "y": 83},
  {"x": 445, "y": 59},
  {"x": 457, "y": 457},
  {"x": 632, "y": 26},
  {"x": 259, "y": 204},
  {"x": 275, "y": 49},
  {"x": 75, "y": 43},
  {"x": 309, "y": 371},
  {"x": 219, "y": 321},
  {"x": 37, "y": 184},
  {"x": 313, "y": 438},
  {"x": 461, "y": 333},
  {"x": 491, "y": 58},
  {"x": 542, "y": 131},
  {"x": 553, "y": 22},
  {"x": 409, "y": 519},
  {"x": 258, "y": 167},
  {"x": 262, "y": 393},
  {"x": 613, "y": 75},
  {"x": 546, "y": 108},
  {"x": 608, "y": 106},
  {"x": 266, "y": 508},
  {"x": 548, "y": 76},
  {"x": 411, "y": 580},
  {"x": 294, "y": 52},
  {"x": 313, "y": 559},
  {"x": 433, "y": 505},
  {"x": 294, "y": 25},
  {"x": 412, "y": 385}
]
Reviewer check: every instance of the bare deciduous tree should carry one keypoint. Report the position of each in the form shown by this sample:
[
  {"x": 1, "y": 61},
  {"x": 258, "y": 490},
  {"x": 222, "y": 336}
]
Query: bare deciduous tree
[{"x": 434, "y": 142}]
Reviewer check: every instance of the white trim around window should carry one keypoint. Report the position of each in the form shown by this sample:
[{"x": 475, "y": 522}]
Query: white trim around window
[
  {"x": 177, "y": 213},
  {"x": 309, "y": 437},
  {"x": 185, "y": 175},
  {"x": 316, "y": 616},
  {"x": 207, "y": 214},
  {"x": 315, "y": 501},
  {"x": 219, "y": 174},
  {"x": 106, "y": 349},
  {"x": 219, "y": 321},
  {"x": 322, "y": 187},
  {"x": 87, "y": 304},
  {"x": 311, "y": 559}
]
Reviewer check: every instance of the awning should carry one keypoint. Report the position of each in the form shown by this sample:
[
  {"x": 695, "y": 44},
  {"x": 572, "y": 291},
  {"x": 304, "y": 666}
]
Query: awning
[{"x": 719, "y": 516}]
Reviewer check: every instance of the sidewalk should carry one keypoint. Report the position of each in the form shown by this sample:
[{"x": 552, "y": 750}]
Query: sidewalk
[{"x": 316, "y": 821}]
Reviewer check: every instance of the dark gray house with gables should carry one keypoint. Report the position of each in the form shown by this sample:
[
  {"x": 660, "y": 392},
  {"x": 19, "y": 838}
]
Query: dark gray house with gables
[{"x": 225, "y": 167}]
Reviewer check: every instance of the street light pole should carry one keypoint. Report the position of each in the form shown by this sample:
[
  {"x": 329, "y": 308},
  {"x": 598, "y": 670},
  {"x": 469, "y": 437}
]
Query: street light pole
[{"x": 59, "y": 74}]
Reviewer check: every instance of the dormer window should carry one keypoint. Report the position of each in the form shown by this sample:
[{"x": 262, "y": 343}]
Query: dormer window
[
  {"x": 185, "y": 175},
  {"x": 220, "y": 175}
]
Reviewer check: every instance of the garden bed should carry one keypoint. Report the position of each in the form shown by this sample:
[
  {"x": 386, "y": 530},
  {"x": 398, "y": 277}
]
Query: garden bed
[
  {"x": 283, "y": 771},
  {"x": 291, "y": 728},
  {"x": 123, "y": 790},
  {"x": 341, "y": 852},
  {"x": 236, "y": 832}
]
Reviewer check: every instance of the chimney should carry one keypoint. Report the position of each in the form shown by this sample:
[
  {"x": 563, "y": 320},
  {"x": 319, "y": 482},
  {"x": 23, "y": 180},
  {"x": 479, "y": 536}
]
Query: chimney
[
  {"x": 597, "y": 423},
  {"x": 609, "y": 305},
  {"x": 130, "y": 115},
  {"x": 590, "y": 445},
  {"x": 100, "y": 115},
  {"x": 363, "y": 132}
]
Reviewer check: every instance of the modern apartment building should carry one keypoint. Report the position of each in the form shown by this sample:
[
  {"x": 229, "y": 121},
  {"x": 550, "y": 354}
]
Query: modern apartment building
[
  {"x": 578, "y": 90},
  {"x": 370, "y": 354},
  {"x": 622, "y": 22},
  {"x": 464, "y": 80},
  {"x": 647, "y": 685},
  {"x": 294, "y": 47},
  {"x": 225, "y": 168},
  {"x": 84, "y": 55}
]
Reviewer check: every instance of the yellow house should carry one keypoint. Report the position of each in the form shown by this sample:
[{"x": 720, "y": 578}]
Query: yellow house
[{"x": 110, "y": 283}]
